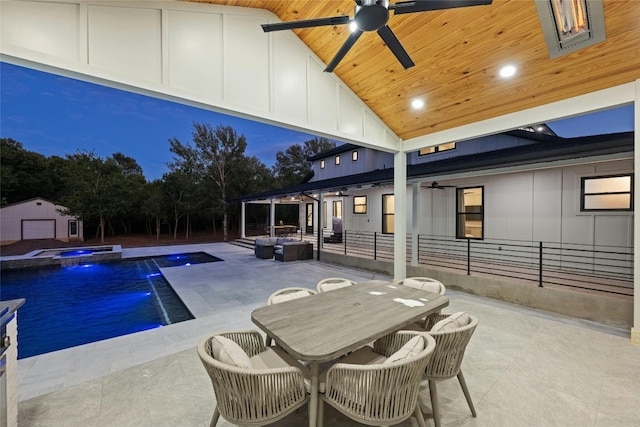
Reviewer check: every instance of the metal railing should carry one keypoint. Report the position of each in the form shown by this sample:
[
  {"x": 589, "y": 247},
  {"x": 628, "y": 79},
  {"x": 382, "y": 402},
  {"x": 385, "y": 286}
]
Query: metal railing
[{"x": 589, "y": 267}]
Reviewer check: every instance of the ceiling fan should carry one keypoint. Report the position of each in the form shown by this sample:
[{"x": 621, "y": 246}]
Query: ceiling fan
[
  {"x": 373, "y": 15},
  {"x": 435, "y": 186}
]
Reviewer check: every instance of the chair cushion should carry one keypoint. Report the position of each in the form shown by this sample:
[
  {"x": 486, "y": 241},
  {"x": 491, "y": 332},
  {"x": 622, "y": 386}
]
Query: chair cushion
[
  {"x": 227, "y": 351},
  {"x": 424, "y": 285},
  {"x": 455, "y": 321},
  {"x": 330, "y": 286},
  {"x": 414, "y": 346},
  {"x": 289, "y": 296}
]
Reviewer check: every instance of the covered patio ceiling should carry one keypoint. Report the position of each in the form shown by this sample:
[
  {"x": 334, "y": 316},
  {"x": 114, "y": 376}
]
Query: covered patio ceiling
[{"x": 458, "y": 54}]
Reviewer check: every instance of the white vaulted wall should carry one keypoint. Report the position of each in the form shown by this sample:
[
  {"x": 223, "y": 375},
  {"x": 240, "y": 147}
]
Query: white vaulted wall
[{"x": 210, "y": 56}]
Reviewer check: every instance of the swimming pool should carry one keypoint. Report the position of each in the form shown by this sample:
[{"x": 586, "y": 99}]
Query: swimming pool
[{"x": 74, "y": 305}]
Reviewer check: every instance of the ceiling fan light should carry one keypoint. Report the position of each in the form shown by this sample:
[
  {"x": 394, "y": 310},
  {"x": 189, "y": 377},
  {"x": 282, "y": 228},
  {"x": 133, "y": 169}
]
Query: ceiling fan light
[{"x": 353, "y": 25}]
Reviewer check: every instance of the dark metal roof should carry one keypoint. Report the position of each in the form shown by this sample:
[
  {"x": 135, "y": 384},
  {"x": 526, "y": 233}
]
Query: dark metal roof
[
  {"x": 549, "y": 148},
  {"x": 337, "y": 150}
]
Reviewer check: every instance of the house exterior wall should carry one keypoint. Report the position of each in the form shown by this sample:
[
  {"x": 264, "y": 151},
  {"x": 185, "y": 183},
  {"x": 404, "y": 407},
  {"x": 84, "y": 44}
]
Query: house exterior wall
[
  {"x": 368, "y": 160},
  {"x": 537, "y": 205},
  {"x": 13, "y": 219}
]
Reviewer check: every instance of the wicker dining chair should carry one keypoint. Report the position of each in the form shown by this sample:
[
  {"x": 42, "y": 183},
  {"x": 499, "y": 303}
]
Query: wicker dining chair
[
  {"x": 447, "y": 358},
  {"x": 253, "y": 396},
  {"x": 425, "y": 283},
  {"x": 379, "y": 393},
  {"x": 286, "y": 294},
  {"x": 332, "y": 283}
]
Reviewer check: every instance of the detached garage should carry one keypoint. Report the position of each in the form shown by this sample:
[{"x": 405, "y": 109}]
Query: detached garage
[{"x": 37, "y": 219}]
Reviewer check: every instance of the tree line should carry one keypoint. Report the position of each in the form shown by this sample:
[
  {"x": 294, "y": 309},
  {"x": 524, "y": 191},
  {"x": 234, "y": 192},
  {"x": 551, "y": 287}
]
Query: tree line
[{"x": 112, "y": 195}]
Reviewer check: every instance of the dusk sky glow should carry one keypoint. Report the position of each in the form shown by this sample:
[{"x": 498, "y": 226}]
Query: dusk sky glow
[{"x": 54, "y": 115}]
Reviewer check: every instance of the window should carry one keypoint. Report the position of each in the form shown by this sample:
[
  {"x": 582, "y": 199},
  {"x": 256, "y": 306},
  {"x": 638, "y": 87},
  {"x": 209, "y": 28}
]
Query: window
[
  {"x": 354, "y": 156},
  {"x": 73, "y": 228},
  {"x": 337, "y": 208},
  {"x": 360, "y": 204},
  {"x": 322, "y": 164},
  {"x": 324, "y": 215},
  {"x": 437, "y": 148},
  {"x": 388, "y": 210},
  {"x": 607, "y": 193},
  {"x": 470, "y": 213},
  {"x": 337, "y": 160}
]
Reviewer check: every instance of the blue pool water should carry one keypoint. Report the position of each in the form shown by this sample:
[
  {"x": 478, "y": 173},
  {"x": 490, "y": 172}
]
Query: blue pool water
[{"x": 70, "y": 306}]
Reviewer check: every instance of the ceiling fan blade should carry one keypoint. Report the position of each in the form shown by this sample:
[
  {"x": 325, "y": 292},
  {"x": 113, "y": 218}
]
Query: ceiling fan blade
[
  {"x": 306, "y": 23},
  {"x": 351, "y": 40},
  {"x": 392, "y": 42},
  {"x": 427, "y": 5}
]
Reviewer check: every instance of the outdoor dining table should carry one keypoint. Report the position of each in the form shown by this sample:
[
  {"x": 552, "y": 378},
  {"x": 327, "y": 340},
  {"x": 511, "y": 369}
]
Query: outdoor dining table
[{"x": 322, "y": 327}]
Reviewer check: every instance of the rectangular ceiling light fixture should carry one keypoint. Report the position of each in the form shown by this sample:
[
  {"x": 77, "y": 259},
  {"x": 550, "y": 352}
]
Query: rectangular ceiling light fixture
[{"x": 570, "y": 25}]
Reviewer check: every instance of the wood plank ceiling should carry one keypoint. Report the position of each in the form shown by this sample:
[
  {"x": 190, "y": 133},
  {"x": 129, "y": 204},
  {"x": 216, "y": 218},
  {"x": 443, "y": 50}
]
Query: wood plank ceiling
[{"x": 458, "y": 54}]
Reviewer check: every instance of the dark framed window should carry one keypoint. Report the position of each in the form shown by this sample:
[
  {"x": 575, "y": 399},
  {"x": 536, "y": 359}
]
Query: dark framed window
[
  {"x": 354, "y": 156},
  {"x": 470, "y": 213},
  {"x": 322, "y": 164},
  {"x": 337, "y": 208},
  {"x": 337, "y": 160},
  {"x": 388, "y": 210},
  {"x": 606, "y": 193},
  {"x": 359, "y": 204},
  {"x": 437, "y": 148}
]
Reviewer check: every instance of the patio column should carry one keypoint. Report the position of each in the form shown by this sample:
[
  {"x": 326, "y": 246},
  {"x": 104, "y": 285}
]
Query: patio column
[
  {"x": 635, "y": 330},
  {"x": 242, "y": 221},
  {"x": 414, "y": 224},
  {"x": 400, "y": 215},
  {"x": 272, "y": 217}
]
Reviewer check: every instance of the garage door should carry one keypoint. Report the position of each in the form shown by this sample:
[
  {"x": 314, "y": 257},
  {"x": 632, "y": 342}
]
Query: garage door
[{"x": 39, "y": 229}]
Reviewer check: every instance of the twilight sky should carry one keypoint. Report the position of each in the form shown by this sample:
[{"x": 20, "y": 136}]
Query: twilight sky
[{"x": 55, "y": 115}]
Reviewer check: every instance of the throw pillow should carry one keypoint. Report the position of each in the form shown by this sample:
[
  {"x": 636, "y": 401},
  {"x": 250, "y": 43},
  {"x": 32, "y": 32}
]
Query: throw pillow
[
  {"x": 455, "y": 321},
  {"x": 414, "y": 346},
  {"x": 227, "y": 351}
]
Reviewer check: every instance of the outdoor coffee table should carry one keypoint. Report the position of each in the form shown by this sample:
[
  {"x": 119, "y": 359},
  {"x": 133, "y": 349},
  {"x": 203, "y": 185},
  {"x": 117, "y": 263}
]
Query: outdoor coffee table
[{"x": 322, "y": 327}]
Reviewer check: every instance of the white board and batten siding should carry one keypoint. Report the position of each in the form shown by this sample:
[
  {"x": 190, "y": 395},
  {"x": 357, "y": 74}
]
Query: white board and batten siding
[
  {"x": 37, "y": 219},
  {"x": 209, "y": 56}
]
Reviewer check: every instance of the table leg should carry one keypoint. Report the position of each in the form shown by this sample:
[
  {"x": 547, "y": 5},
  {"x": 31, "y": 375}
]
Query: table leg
[{"x": 313, "y": 401}]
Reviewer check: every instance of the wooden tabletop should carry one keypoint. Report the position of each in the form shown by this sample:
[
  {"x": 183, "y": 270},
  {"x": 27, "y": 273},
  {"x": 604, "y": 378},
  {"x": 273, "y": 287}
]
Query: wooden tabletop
[{"x": 324, "y": 326}]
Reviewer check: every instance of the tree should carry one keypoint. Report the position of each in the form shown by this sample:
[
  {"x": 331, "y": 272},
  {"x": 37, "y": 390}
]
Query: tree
[
  {"x": 292, "y": 167},
  {"x": 153, "y": 206},
  {"x": 215, "y": 154},
  {"x": 93, "y": 188},
  {"x": 24, "y": 174},
  {"x": 132, "y": 181}
]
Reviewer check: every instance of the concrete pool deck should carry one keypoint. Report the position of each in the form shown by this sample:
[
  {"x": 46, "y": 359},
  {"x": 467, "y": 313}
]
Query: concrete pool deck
[{"x": 523, "y": 366}]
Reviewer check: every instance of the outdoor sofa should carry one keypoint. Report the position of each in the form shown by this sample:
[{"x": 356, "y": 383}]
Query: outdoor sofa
[{"x": 293, "y": 250}]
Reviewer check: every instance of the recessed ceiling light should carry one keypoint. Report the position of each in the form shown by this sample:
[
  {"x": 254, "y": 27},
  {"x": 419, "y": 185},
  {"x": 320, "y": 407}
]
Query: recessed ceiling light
[
  {"x": 417, "y": 104},
  {"x": 507, "y": 71}
]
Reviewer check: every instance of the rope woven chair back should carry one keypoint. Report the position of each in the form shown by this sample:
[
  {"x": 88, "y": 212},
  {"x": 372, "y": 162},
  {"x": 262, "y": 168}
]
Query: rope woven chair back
[
  {"x": 380, "y": 394},
  {"x": 450, "y": 347},
  {"x": 332, "y": 283},
  {"x": 286, "y": 294}
]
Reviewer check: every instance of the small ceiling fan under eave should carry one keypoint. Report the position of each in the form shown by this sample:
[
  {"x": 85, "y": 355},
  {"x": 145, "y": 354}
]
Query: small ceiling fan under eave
[
  {"x": 373, "y": 15},
  {"x": 435, "y": 186}
]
